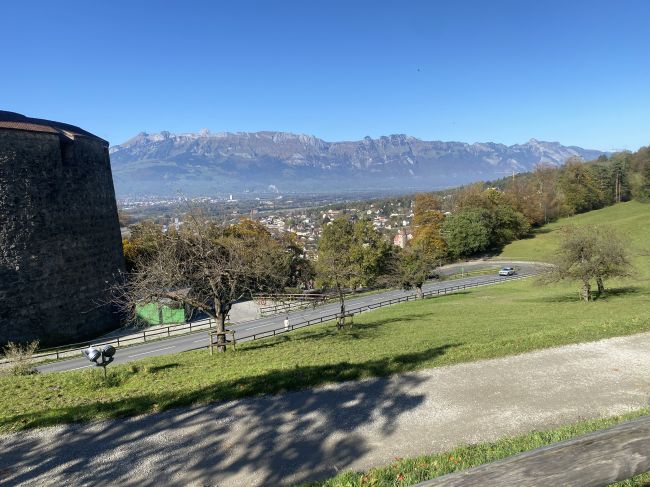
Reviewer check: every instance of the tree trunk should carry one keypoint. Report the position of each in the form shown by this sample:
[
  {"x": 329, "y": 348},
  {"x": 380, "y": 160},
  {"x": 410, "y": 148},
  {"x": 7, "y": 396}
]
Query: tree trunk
[
  {"x": 341, "y": 320},
  {"x": 601, "y": 285},
  {"x": 222, "y": 312},
  {"x": 418, "y": 292},
  {"x": 585, "y": 293}
]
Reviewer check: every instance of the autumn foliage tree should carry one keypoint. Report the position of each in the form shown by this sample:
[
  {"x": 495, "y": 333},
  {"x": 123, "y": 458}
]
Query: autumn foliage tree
[
  {"x": 427, "y": 226},
  {"x": 141, "y": 244},
  {"x": 580, "y": 188},
  {"x": 545, "y": 185},
  {"x": 522, "y": 194}
]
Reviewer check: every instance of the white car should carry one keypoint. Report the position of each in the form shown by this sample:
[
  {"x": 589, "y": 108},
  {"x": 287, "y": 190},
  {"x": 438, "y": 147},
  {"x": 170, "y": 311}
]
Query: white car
[{"x": 507, "y": 271}]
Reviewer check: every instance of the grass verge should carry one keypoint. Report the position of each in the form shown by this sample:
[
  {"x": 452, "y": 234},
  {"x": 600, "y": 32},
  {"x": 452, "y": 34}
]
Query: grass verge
[{"x": 481, "y": 272}]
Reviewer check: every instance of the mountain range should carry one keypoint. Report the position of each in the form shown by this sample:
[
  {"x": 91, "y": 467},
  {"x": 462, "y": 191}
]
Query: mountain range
[{"x": 204, "y": 162}]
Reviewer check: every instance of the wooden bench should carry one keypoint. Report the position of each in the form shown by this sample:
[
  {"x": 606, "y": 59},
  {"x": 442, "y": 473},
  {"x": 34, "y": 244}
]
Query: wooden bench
[
  {"x": 341, "y": 320},
  {"x": 212, "y": 335}
]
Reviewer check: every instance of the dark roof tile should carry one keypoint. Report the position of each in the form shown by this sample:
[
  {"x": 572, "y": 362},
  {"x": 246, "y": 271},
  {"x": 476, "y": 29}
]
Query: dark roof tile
[{"x": 16, "y": 121}]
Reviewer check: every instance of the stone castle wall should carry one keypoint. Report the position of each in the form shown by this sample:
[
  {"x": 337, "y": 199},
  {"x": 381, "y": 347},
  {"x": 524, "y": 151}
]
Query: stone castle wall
[{"x": 60, "y": 245}]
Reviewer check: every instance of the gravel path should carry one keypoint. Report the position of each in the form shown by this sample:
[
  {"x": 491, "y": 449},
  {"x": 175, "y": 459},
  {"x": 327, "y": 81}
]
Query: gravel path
[{"x": 275, "y": 440}]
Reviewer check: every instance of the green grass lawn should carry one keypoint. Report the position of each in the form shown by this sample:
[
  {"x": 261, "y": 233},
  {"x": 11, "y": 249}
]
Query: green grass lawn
[
  {"x": 405, "y": 472},
  {"x": 481, "y": 323},
  {"x": 630, "y": 220},
  {"x": 479, "y": 272}
]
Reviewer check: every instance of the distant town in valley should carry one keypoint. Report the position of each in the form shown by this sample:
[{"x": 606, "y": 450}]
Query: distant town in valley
[{"x": 302, "y": 214}]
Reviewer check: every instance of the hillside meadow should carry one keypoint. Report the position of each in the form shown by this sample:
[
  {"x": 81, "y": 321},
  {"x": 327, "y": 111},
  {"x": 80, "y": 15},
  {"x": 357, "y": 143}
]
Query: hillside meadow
[{"x": 630, "y": 220}]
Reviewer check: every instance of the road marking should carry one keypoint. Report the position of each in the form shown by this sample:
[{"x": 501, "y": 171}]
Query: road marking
[
  {"x": 197, "y": 341},
  {"x": 256, "y": 327},
  {"x": 152, "y": 351},
  {"x": 77, "y": 368}
]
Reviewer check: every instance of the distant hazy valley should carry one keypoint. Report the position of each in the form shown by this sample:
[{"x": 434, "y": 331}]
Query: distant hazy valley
[{"x": 205, "y": 163}]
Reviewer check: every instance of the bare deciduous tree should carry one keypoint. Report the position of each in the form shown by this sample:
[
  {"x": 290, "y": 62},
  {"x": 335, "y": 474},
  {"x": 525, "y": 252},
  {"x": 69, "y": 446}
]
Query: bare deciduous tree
[
  {"x": 612, "y": 258},
  {"x": 588, "y": 253},
  {"x": 207, "y": 266}
]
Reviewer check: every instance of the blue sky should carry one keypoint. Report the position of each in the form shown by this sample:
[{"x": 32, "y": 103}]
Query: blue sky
[{"x": 503, "y": 71}]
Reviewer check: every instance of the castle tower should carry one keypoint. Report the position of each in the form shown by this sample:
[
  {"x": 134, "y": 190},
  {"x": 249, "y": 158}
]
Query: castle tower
[{"x": 60, "y": 245}]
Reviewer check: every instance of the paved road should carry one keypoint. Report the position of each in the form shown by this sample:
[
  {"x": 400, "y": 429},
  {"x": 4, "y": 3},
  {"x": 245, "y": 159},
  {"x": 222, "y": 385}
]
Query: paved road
[
  {"x": 199, "y": 339},
  {"x": 305, "y": 435}
]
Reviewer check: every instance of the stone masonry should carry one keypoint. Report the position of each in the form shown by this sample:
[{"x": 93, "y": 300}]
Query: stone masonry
[{"x": 60, "y": 246}]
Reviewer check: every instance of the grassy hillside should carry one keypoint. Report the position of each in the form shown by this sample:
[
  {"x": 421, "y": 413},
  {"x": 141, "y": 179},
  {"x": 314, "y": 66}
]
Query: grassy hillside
[
  {"x": 630, "y": 220},
  {"x": 487, "y": 322}
]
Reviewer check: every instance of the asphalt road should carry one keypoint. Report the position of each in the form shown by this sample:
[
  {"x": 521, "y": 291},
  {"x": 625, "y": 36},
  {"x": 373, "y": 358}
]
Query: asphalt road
[{"x": 199, "y": 339}]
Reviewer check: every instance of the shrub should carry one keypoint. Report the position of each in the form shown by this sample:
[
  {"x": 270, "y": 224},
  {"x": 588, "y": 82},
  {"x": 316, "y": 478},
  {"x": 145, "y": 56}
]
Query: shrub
[{"x": 20, "y": 357}]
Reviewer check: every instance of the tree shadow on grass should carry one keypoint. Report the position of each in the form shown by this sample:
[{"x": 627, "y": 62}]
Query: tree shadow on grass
[
  {"x": 574, "y": 297},
  {"x": 454, "y": 293},
  {"x": 555, "y": 298},
  {"x": 358, "y": 330},
  {"x": 614, "y": 293},
  {"x": 160, "y": 368},
  {"x": 267, "y": 440},
  {"x": 541, "y": 231},
  {"x": 272, "y": 382}
]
